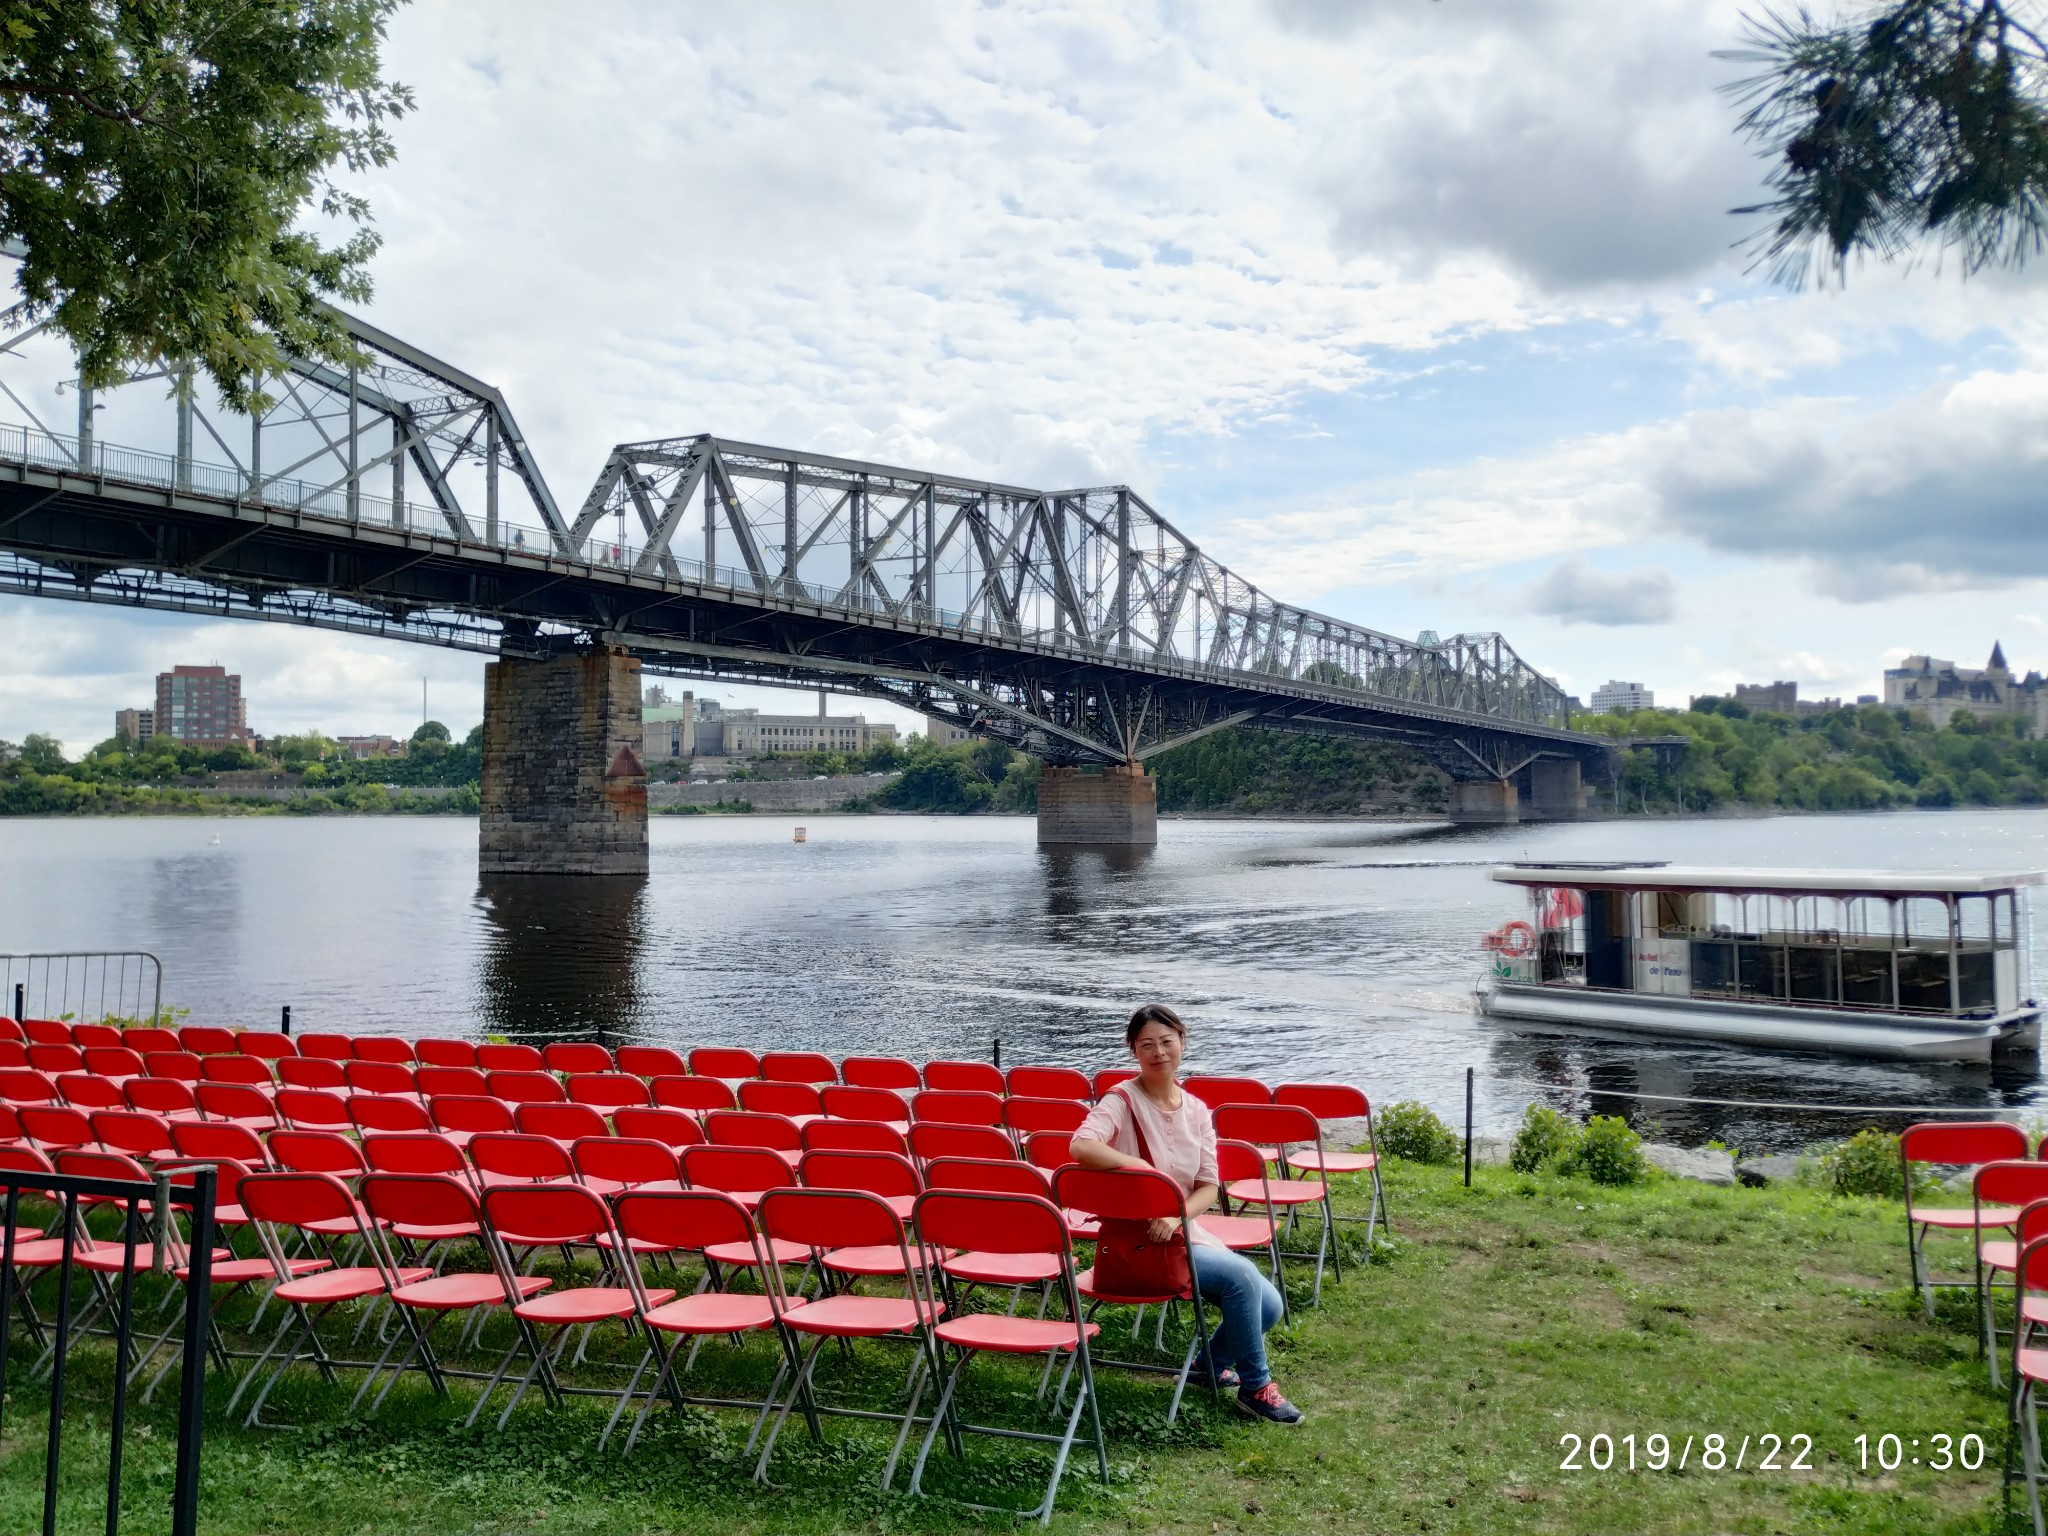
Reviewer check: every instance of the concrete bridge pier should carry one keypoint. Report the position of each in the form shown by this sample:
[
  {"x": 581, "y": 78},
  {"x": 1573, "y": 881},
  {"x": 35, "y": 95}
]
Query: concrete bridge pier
[
  {"x": 1118, "y": 807},
  {"x": 1557, "y": 790},
  {"x": 564, "y": 789},
  {"x": 1485, "y": 802}
]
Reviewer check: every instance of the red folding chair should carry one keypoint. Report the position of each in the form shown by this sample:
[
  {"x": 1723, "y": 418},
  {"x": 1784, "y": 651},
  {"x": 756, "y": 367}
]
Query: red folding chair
[
  {"x": 565, "y": 1123},
  {"x": 1024, "y": 1116},
  {"x": 1026, "y": 1228},
  {"x": 81, "y": 1090},
  {"x": 267, "y": 1044},
  {"x": 1966, "y": 1142},
  {"x": 1284, "y": 1126},
  {"x": 328, "y": 1047},
  {"x": 180, "y": 1066},
  {"x": 797, "y": 1101},
  {"x": 562, "y": 1216},
  {"x": 613, "y": 1165},
  {"x": 608, "y": 1090},
  {"x": 46, "y": 1031},
  {"x": 56, "y": 1060},
  {"x": 526, "y": 1087},
  {"x": 510, "y": 1160},
  {"x": 112, "y": 1061},
  {"x": 742, "y": 1172},
  {"x": 313, "y": 1072},
  {"x": 1239, "y": 1162},
  {"x": 387, "y": 1112},
  {"x": 460, "y": 1118},
  {"x": 440, "y": 1051},
  {"x": 574, "y": 1056},
  {"x": 250, "y": 1071},
  {"x": 238, "y": 1103},
  {"x": 861, "y": 1103},
  {"x": 723, "y": 1061},
  {"x": 884, "y": 1175},
  {"x": 928, "y": 1141},
  {"x": 2030, "y": 1362},
  {"x": 835, "y": 1220},
  {"x": 963, "y": 1077},
  {"x": 509, "y": 1056},
  {"x": 854, "y": 1136},
  {"x": 206, "y": 1039},
  {"x": 452, "y": 1081},
  {"x": 651, "y": 1061},
  {"x": 798, "y": 1067},
  {"x": 742, "y": 1128},
  {"x": 12, "y": 1052},
  {"x": 670, "y": 1127},
  {"x": 88, "y": 1036},
  {"x": 994, "y": 1266},
  {"x": 1340, "y": 1101},
  {"x": 389, "y": 1049},
  {"x": 219, "y": 1141},
  {"x": 422, "y": 1152},
  {"x": 1137, "y": 1194},
  {"x": 322, "y": 1152},
  {"x": 54, "y": 1127},
  {"x": 146, "y": 1038},
  {"x": 1999, "y": 1187},
  {"x": 957, "y": 1106},
  {"x": 1219, "y": 1091},
  {"x": 891, "y": 1072},
  {"x": 1109, "y": 1077},
  {"x": 693, "y": 1221},
  {"x": 313, "y": 1109},
  {"x": 387, "y": 1077},
  {"x": 698, "y": 1095},
  {"x": 133, "y": 1133},
  {"x": 1049, "y": 1083},
  {"x": 25, "y": 1085},
  {"x": 161, "y": 1096}
]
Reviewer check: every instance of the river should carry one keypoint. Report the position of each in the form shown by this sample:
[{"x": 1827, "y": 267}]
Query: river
[{"x": 1296, "y": 950}]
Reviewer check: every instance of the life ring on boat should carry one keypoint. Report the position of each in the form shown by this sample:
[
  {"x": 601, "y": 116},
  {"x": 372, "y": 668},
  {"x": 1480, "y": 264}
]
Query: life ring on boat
[{"x": 1517, "y": 939}]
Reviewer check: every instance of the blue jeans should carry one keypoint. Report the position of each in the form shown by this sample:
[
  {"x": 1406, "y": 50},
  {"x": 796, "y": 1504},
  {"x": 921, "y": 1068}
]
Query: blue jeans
[{"x": 1249, "y": 1306}]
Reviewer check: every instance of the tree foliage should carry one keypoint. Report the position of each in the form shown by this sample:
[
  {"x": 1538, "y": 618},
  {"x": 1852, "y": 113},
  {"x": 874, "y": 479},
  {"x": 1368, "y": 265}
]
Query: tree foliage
[
  {"x": 156, "y": 157},
  {"x": 1915, "y": 121}
]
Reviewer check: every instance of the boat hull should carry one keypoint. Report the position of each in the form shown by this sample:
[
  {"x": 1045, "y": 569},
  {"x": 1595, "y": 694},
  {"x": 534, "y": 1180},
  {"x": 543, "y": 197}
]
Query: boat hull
[{"x": 1763, "y": 1025}]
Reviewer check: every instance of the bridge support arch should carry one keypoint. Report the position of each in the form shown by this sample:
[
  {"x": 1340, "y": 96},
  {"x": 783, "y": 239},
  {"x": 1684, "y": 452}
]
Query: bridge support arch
[
  {"x": 1485, "y": 802},
  {"x": 1118, "y": 807},
  {"x": 564, "y": 788}
]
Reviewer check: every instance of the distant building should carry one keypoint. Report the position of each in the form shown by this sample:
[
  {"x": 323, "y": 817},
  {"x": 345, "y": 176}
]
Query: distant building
[
  {"x": 133, "y": 727},
  {"x": 668, "y": 728},
  {"x": 1938, "y": 690},
  {"x": 1768, "y": 698},
  {"x": 748, "y": 732},
  {"x": 1613, "y": 698},
  {"x": 944, "y": 733},
  {"x": 361, "y": 747},
  {"x": 201, "y": 705}
]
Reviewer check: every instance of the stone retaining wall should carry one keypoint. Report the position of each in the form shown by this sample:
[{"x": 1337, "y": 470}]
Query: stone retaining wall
[{"x": 773, "y": 794}]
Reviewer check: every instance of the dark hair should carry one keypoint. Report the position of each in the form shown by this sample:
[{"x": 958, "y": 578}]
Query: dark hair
[{"x": 1153, "y": 1013}]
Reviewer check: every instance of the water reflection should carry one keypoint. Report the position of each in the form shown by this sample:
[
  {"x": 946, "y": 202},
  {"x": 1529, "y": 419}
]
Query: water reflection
[{"x": 560, "y": 958}]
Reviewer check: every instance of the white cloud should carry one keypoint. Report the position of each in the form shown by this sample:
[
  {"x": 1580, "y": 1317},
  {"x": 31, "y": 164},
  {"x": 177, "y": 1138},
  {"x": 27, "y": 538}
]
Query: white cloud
[{"x": 1577, "y": 593}]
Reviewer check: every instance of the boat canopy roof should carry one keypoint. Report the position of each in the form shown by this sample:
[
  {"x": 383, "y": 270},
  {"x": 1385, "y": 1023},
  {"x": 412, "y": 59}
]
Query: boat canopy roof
[{"x": 1805, "y": 882}]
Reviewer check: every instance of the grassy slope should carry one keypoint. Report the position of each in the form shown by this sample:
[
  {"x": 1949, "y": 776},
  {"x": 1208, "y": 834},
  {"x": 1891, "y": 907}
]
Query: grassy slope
[{"x": 1437, "y": 1383}]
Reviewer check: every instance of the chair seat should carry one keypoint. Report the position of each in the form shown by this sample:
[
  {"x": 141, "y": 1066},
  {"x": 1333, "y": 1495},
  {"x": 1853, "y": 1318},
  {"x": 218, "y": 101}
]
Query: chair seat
[
  {"x": 856, "y": 1317},
  {"x": 1082, "y": 1228},
  {"x": 715, "y": 1312},
  {"x": 435, "y": 1232},
  {"x": 2032, "y": 1364},
  {"x": 1334, "y": 1162},
  {"x": 1011, "y": 1335},
  {"x": 40, "y": 1253},
  {"x": 1238, "y": 1232},
  {"x": 1084, "y": 1282},
  {"x": 587, "y": 1304},
  {"x": 2033, "y": 1308},
  {"x": 242, "y": 1271},
  {"x": 741, "y": 1255},
  {"x": 1964, "y": 1217},
  {"x": 24, "y": 1235},
  {"x": 2000, "y": 1253},
  {"x": 634, "y": 1244},
  {"x": 609, "y": 1187},
  {"x": 1003, "y": 1268},
  {"x": 455, "y": 1293},
  {"x": 1282, "y": 1191},
  {"x": 111, "y": 1258},
  {"x": 875, "y": 1259},
  {"x": 341, "y": 1285}
]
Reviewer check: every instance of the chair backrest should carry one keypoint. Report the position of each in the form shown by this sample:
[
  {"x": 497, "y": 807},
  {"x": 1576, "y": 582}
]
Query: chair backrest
[
  {"x": 235, "y": 1101},
  {"x": 386, "y": 1112},
  {"x": 11, "y": 1029},
  {"x": 963, "y": 1077},
  {"x": 564, "y": 1122},
  {"x": 854, "y": 1136},
  {"x": 81, "y": 1090},
  {"x": 1109, "y": 1077},
  {"x": 2010, "y": 1183},
  {"x": 509, "y": 1056},
  {"x": 987, "y": 1174},
  {"x": 559, "y": 1215},
  {"x": 699, "y": 1094},
  {"x": 526, "y": 1087},
  {"x": 744, "y": 1128},
  {"x": 1049, "y": 1083},
  {"x": 56, "y": 1058},
  {"x": 1026, "y": 1115},
  {"x": 724, "y": 1061},
  {"x": 780, "y": 1098},
  {"x": 879, "y": 1173},
  {"x": 462, "y": 1112},
  {"x": 10, "y": 1124},
  {"x": 1219, "y": 1091},
  {"x": 366, "y": 1076},
  {"x": 625, "y": 1160},
  {"x": 133, "y": 1132},
  {"x": 206, "y": 1039},
  {"x": 253, "y": 1071},
  {"x": 607, "y": 1089},
  {"x": 928, "y": 1140},
  {"x": 891, "y": 1072},
  {"x": 302, "y": 1197},
  {"x": 834, "y": 1218},
  {"x": 1269, "y": 1124},
  {"x": 147, "y": 1037},
  {"x": 12, "y": 1052},
  {"x": 386, "y": 1048},
  {"x": 462, "y": 1082},
  {"x": 414, "y": 1152},
  {"x": 567, "y": 1056},
  {"x": 90, "y": 1036},
  {"x": 844, "y": 1102},
  {"x": 328, "y": 1047},
  {"x": 650, "y": 1061},
  {"x": 182, "y": 1065},
  {"x": 736, "y": 1170},
  {"x": 213, "y": 1140},
  {"x": 1238, "y": 1160},
  {"x": 419, "y": 1197},
  {"x": 25, "y": 1085},
  {"x": 444, "y": 1051},
  {"x": 692, "y": 1219},
  {"x": 113, "y": 1061},
  {"x": 670, "y": 1127},
  {"x": 2031, "y": 1272},
  {"x": 316, "y": 1152},
  {"x": 515, "y": 1156},
  {"x": 957, "y": 1106},
  {"x": 313, "y": 1109},
  {"x": 1326, "y": 1101},
  {"x": 265, "y": 1043},
  {"x": 54, "y": 1125},
  {"x": 1129, "y": 1194},
  {"x": 989, "y": 1221},
  {"x": 798, "y": 1067},
  {"x": 46, "y": 1031},
  {"x": 1966, "y": 1141},
  {"x": 159, "y": 1095}
]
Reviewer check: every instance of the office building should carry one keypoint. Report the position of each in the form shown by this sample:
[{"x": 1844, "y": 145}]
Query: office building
[
  {"x": 1613, "y": 698},
  {"x": 201, "y": 705},
  {"x": 134, "y": 727}
]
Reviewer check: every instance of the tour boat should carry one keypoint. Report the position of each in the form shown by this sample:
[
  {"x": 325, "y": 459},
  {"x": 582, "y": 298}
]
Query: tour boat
[{"x": 1925, "y": 966}]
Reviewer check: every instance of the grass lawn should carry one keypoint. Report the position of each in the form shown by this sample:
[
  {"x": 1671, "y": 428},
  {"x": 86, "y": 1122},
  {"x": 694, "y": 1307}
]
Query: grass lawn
[{"x": 1438, "y": 1383}]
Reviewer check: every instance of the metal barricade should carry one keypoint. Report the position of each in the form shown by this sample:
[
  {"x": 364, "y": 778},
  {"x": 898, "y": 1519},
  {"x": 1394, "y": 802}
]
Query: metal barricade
[{"x": 84, "y": 985}]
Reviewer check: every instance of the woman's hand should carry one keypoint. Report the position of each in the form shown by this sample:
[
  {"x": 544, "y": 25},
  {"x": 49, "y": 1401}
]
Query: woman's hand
[
  {"x": 1090, "y": 1153},
  {"x": 1164, "y": 1229}
]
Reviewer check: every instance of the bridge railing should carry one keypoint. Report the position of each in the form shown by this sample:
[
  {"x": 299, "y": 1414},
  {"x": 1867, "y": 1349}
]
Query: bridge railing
[{"x": 1415, "y": 681}]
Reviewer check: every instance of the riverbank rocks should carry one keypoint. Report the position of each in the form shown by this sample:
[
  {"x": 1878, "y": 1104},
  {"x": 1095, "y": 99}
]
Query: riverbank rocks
[
  {"x": 1776, "y": 1168},
  {"x": 1703, "y": 1164}
]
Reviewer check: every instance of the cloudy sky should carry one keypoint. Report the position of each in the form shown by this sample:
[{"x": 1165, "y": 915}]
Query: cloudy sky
[{"x": 1429, "y": 315}]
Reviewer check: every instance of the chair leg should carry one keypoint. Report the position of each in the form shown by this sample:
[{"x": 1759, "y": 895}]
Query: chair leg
[
  {"x": 910, "y": 1408},
  {"x": 931, "y": 1435},
  {"x": 2030, "y": 1455},
  {"x": 797, "y": 1388}
]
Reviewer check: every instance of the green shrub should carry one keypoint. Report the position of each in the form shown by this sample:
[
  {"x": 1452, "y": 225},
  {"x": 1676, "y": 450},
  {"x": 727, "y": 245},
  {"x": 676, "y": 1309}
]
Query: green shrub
[
  {"x": 1866, "y": 1164},
  {"x": 1413, "y": 1131},
  {"x": 1609, "y": 1152},
  {"x": 1546, "y": 1139}
]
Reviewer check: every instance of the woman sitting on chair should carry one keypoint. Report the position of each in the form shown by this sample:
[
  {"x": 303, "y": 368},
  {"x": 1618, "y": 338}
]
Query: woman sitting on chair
[{"x": 1176, "y": 1128}]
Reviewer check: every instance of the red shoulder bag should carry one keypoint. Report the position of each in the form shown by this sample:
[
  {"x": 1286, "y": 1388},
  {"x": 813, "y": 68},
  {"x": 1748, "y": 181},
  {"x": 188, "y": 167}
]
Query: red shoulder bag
[{"x": 1128, "y": 1261}]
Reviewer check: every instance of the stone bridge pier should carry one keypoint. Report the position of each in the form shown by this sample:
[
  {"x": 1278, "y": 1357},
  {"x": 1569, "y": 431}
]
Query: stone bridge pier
[
  {"x": 564, "y": 790},
  {"x": 1118, "y": 807},
  {"x": 1547, "y": 789}
]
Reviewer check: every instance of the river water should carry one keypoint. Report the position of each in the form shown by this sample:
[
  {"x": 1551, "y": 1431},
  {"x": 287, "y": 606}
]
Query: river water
[{"x": 1296, "y": 950}]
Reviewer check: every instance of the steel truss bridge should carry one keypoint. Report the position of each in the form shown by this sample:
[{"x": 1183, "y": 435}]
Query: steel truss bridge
[{"x": 397, "y": 497}]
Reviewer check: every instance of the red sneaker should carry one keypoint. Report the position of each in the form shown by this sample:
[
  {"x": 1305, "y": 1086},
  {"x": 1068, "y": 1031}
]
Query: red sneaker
[{"x": 1267, "y": 1403}]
